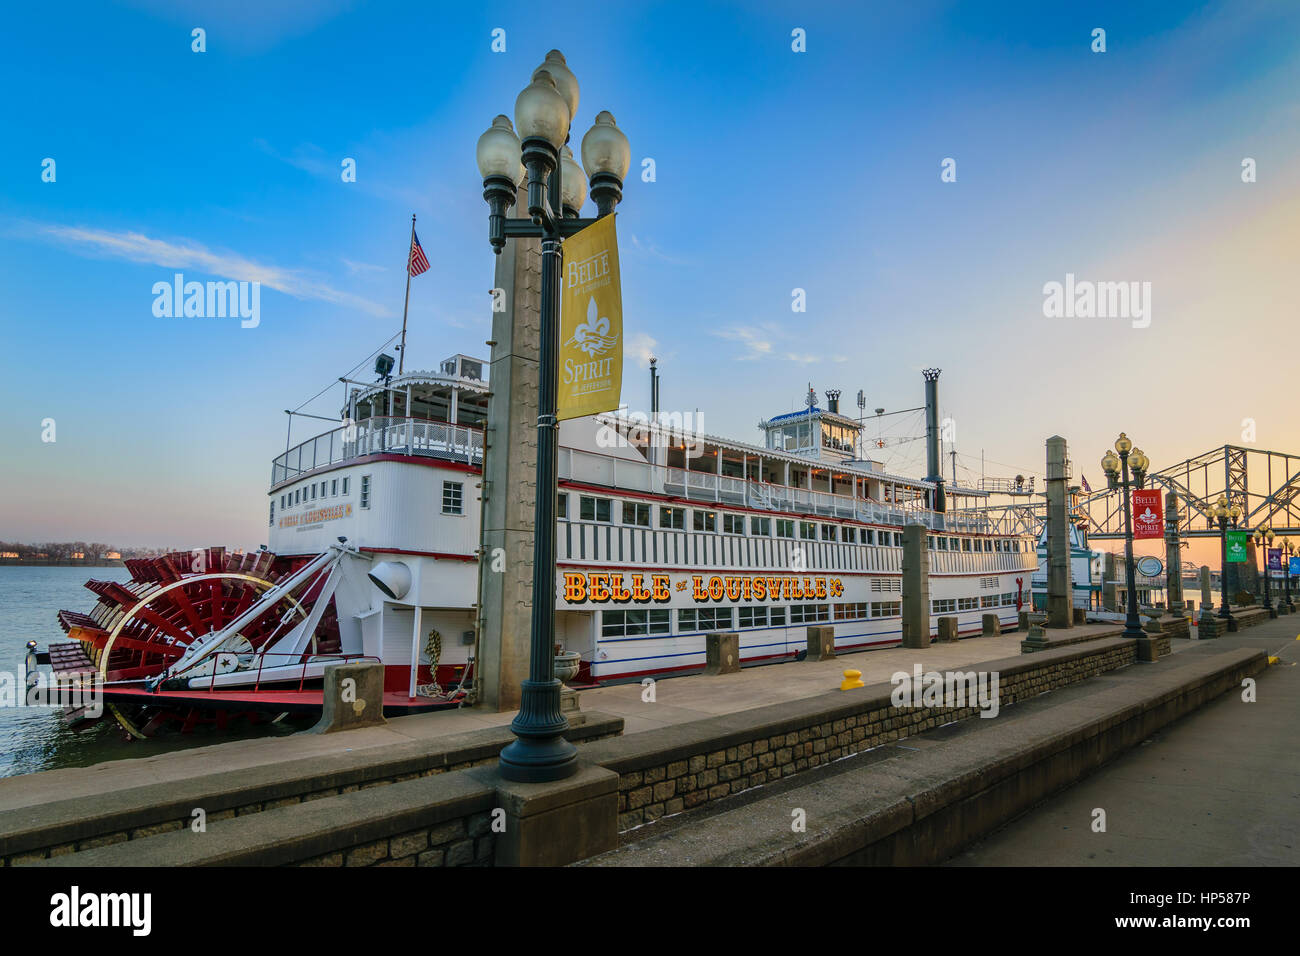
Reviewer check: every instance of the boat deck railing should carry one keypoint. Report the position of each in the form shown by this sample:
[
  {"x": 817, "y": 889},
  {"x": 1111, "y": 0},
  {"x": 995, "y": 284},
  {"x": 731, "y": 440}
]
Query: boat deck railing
[
  {"x": 380, "y": 435},
  {"x": 631, "y": 475}
]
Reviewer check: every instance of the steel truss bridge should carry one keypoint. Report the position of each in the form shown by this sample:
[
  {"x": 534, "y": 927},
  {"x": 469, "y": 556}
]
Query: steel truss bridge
[{"x": 1264, "y": 484}]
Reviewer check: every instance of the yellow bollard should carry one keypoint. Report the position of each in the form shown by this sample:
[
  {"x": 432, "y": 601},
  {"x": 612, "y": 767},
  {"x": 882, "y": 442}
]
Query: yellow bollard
[
  {"x": 851, "y": 680},
  {"x": 1272, "y": 661}
]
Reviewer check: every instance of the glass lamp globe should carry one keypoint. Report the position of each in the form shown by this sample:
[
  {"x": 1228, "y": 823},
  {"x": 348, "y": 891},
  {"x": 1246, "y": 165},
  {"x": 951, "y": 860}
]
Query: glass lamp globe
[
  {"x": 1122, "y": 444},
  {"x": 1235, "y": 511},
  {"x": 1109, "y": 462},
  {"x": 541, "y": 112},
  {"x": 564, "y": 79},
  {"x": 498, "y": 151},
  {"x": 573, "y": 184},
  {"x": 605, "y": 149}
]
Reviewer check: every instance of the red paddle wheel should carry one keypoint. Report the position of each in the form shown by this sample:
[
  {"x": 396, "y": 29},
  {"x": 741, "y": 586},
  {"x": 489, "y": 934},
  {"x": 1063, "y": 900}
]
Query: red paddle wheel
[{"x": 139, "y": 627}]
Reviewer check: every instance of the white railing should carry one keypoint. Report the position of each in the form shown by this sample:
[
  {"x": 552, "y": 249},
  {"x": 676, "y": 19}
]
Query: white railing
[
  {"x": 613, "y": 472},
  {"x": 381, "y": 435}
]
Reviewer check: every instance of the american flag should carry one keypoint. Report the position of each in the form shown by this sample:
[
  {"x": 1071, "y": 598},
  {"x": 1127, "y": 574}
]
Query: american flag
[
  {"x": 419, "y": 262},
  {"x": 1086, "y": 489}
]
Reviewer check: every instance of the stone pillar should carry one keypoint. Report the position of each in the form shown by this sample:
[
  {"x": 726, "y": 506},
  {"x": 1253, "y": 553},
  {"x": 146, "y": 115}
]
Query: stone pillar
[
  {"x": 947, "y": 630},
  {"x": 354, "y": 697},
  {"x": 1207, "y": 597},
  {"x": 1060, "y": 604},
  {"x": 916, "y": 587},
  {"x": 1109, "y": 582},
  {"x": 821, "y": 643},
  {"x": 721, "y": 653},
  {"x": 991, "y": 625},
  {"x": 511, "y": 477},
  {"x": 1173, "y": 556}
]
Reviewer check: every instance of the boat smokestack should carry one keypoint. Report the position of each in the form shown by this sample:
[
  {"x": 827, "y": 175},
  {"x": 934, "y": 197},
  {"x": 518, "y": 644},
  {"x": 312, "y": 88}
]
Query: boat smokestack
[
  {"x": 833, "y": 400},
  {"x": 933, "y": 470},
  {"x": 654, "y": 408}
]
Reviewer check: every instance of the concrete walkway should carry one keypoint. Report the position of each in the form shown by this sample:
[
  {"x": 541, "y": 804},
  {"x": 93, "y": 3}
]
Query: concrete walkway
[
  {"x": 1219, "y": 788},
  {"x": 677, "y": 700}
]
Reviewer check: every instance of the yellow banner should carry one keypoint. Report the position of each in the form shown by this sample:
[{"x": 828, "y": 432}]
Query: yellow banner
[{"x": 591, "y": 323}]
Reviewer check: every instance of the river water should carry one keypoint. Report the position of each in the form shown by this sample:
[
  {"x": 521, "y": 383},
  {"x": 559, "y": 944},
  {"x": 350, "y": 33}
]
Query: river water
[{"x": 35, "y": 738}]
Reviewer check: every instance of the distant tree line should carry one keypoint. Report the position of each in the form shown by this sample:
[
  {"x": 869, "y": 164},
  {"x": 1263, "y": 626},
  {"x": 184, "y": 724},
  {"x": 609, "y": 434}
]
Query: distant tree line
[{"x": 67, "y": 552}]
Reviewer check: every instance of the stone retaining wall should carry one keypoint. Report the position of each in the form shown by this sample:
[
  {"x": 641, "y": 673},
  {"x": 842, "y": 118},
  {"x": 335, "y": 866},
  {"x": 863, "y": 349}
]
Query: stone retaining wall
[
  {"x": 667, "y": 771},
  {"x": 35, "y": 833}
]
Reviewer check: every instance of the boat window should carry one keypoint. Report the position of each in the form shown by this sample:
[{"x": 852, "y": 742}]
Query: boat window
[
  {"x": 346, "y": 483},
  {"x": 850, "y": 535},
  {"x": 634, "y": 623},
  {"x": 753, "y": 616},
  {"x": 785, "y": 527},
  {"x": 968, "y": 604},
  {"x": 830, "y": 532},
  {"x": 562, "y": 505},
  {"x": 809, "y": 613},
  {"x": 704, "y": 619},
  {"x": 760, "y": 526},
  {"x": 272, "y": 514},
  {"x": 733, "y": 524},
  {"x": 673, "y": 518},
  {"x": 453, "y": 498},
  {"x": 851, "y": 612},
  {"x": 594, "y": 509},
  {"x": 705, "y": 520},
  {"x": 365, "y": 491},
  {"x": 885, "y": 608},
  {"x": 637, "y": 513},
  {"x": 777, "y": 617},
  {"x": 334, "y": 488},
  {"x": 807, "y": 530},
  {"x": 945, "y": 606},
  {"x": 965, "y": 544}
]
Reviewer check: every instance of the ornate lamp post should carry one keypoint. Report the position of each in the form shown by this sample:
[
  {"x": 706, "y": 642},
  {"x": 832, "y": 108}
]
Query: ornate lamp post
[
  {"x": 1223, "y": 514},
  {"x": 557, "y": 189},
  {"x": 1117, "y": 477},
  {"x": 1264, "y": 540},
  {"x": 1288, "y": 549}
]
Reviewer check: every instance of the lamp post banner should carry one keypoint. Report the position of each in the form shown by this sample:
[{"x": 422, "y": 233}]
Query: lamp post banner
[
  {"x": 1237, "y": 545},
  {"x": 591, "y": 323},
  {"x": 1275, "y": 559},
  {"x": 1148, "y": 514},
  {"x": 1294, "y": 564}
]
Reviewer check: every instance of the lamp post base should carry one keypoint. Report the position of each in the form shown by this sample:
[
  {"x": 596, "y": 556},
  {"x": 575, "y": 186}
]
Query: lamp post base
[{"x": 541, "y": 753}]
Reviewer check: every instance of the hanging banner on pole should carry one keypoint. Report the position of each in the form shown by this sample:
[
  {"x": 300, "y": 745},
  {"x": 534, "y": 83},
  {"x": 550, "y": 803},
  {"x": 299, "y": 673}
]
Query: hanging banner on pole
[
  {"x": 591, "y": 323},
  {"x": 1148, "y": 514},
  {"x": 1237, "y": 545},
  {"x": 1275, "y": 560},
  {"x": 1294, "y": 564}
]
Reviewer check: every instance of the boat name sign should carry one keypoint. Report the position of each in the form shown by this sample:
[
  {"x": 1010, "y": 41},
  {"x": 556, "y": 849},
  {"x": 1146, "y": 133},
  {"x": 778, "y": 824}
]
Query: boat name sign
[{"x": 608, "y": 587}]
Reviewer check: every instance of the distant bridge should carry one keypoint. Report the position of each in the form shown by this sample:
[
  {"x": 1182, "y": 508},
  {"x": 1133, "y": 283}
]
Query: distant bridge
[{"x": 1264, "y": 484}]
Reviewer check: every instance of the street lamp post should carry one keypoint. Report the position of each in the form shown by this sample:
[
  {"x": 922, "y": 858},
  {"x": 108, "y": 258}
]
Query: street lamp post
[
  {"x": 544, "y": 112},
  {"x": 1223, "y": 514},
  {"x": 1288, "y": 549},
  {"x": 1264, "y": 541},
  {"x": 1117, "y": 476}
]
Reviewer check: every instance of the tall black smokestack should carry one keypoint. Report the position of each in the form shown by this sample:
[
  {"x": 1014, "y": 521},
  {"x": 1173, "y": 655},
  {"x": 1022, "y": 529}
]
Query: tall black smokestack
[
  {"x": 654, "y": 407},
  {"x": 934, "y": 471}
]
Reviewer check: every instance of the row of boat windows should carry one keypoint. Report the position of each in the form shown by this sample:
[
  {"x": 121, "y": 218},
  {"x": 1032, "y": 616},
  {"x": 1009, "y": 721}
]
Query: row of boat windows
[
  {"x": 644, "y": 622},
  {"x": 453, "y": 494},
  {"x": 674, "y": 518},
  {"x": 329, "y": 488}
]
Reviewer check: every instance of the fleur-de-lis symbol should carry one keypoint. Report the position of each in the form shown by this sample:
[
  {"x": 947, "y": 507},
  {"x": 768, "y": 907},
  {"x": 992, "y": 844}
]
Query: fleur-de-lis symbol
[{"x": 592, "y": 336}]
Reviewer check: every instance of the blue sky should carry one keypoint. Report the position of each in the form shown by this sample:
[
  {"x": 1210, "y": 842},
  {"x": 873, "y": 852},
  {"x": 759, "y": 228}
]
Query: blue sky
[{"x": 775, "y": 170}]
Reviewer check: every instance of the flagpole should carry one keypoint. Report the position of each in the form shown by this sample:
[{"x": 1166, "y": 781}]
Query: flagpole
[{"x": 401, "y": 357}]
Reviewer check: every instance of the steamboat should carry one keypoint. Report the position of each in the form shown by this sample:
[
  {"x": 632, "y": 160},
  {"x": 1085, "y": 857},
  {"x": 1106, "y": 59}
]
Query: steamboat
[{"x": 664, "y": 534}]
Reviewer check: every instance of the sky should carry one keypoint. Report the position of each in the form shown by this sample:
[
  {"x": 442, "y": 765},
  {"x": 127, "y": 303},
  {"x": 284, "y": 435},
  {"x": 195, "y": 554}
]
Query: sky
[{"x": 775, "y": 170}]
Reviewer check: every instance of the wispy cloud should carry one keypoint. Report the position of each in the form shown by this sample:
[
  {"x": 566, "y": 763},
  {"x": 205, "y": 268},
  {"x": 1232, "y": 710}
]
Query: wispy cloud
[
  {"x": 648, "y": 248},
  {"x": 757, "y": 345},
  {"x": 641, "y": 345},
  {"x": 190, "y": 254},
  {"x": 763, "y": 341}
]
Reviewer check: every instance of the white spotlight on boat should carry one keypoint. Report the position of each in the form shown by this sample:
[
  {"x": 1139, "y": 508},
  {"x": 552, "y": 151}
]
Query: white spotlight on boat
[{"x": 392, "y": 577}]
